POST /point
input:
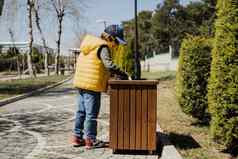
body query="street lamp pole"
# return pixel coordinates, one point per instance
(136, 53)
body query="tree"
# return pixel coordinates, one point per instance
(165, 18)
(202, 15)
(15, 50)
(30, 7)
(1, 6)
(223, 83)
(144, 27)
(145, 38)
(63, 8)
(37, 21)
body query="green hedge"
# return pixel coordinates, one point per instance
(123, 57)
(192, 76)
(223, 84)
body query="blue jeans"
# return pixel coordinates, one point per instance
(87, 113)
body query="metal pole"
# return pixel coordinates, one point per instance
(136, 53)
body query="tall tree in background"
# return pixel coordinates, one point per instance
(60, 11)
(202, 15)
(63, 8)
(30, 7)
(145, 38)
(37, 21)
(170, 25)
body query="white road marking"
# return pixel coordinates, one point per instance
(33, 112)
(41, 142)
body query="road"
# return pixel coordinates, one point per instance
(40, 127)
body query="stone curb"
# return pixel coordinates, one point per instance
(168, 149)
(25, 95)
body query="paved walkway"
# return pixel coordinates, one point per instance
(40, 127)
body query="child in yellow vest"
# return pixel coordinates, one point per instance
(93, 69)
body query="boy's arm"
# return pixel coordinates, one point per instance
(107, 61)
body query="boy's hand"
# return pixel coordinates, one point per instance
(122, 76)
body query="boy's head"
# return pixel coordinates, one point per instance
(114, 35)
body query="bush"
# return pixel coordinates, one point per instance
(123, 57)
(223, 83)
(37, 57)
(192, 76)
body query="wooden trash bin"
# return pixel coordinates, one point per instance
(133, 114)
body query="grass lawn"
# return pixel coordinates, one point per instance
(189, 137)
(15, 87)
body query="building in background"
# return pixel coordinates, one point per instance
(22, 47)
(160, 62)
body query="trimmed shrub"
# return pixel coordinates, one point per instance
(192, 76)
(223, 83)
(123, 57)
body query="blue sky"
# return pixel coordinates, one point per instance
(113, 11)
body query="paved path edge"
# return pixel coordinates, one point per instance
(25, 95)
(168, 149)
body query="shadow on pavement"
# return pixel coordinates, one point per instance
(182, 141)
(58, 92)
(46, 122)
(233, 152)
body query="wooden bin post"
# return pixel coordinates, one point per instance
(133, 114)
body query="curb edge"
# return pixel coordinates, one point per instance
(168, 149)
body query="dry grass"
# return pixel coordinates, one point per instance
(189, 137)
(15, 87)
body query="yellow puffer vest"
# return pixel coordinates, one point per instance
(91, 73)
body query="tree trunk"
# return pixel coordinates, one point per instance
(1, 6)
(23, 64)
(18, 66)
(46, 63)
(60, 19)
(37, 20)
(30, 33)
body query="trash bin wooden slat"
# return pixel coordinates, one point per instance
(120, 119)
(144, 118)
(138, 118)
(133, 115)
(132, 119)
(152, 94)
(114, 118)
(126, 118)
